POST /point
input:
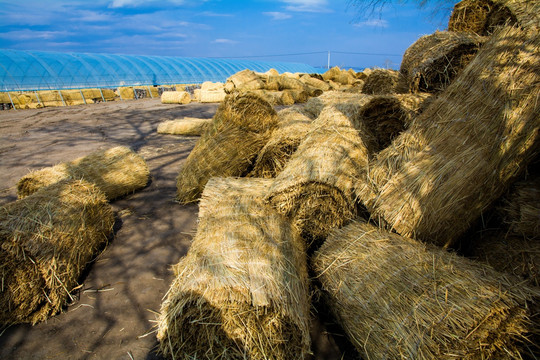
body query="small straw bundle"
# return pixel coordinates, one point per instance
(187, 126)
(47, 239)
(383, 81)
(464, 150)
(241, 291)
(399, 299)
(433, 61)
(386, 116)
(175, 97)
(240, 128)
(315, 187)
(482, 17)
(294, 124)
(117, 171)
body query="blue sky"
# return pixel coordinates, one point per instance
(220, 28)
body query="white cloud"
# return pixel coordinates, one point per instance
(372, 23)
(135, 3)
(30, 34)
(307, 5)
(276, 15)
(224, 41)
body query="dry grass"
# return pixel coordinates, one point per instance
(175, 97)
(400, 299)
(465, 149)
(240, 128)
(315, 187)
(187, 126)
(47, 239)
(382, 82)
(117, 171)
(348, 103)
(241, 291)
(521, 208)
(433, 61)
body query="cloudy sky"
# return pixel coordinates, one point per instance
(281, 30)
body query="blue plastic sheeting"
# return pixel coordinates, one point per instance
(38, 70)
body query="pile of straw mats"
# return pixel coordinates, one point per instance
(386, 188)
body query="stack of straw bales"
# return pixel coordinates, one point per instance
(47, 239)
(400, 299)
(241, 291)
(175, 97)
(464, 150)
(433, 61)
(187, 126)
(240, 128)
(117, 171)
(212, 92)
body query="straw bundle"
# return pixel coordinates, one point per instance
(398, 299)
(240, 128)
(126, 92)
(383, 81)
(274, 97)
(315, 187)
(175, 97)
(386, 116)
(348, 103)
(463, 151)
(315, 83)
(117, 171)
(47, 239)
(244, 80)
(294, 125)
(96, 94)
(241, 291)
(433, 61)
(187, 126)
(212, 96)
(482, 17)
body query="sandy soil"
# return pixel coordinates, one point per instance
(114, 313)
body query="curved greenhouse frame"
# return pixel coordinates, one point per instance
(38, 70)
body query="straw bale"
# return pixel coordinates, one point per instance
(482, 17)
(315, 188)
(240, 128)
(272, 72)
(245, 80)
(470, 143)
(299, 96)
(400, 299)
(433, 61)
(187, 126)
(197, 95)
(386, 116)
(294, 124)
(383, 81)
(314, 82)
(176, 97)
(20, 100)
(212, 96)
(521, 207)
(116, 171)
(208, 85)
(126, 92)
(348, 103)
(274, 97)
(47, 239)
(241, 291)
(108, 94)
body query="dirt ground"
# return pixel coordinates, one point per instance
(113, 316)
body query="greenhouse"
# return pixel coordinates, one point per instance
(38, 70)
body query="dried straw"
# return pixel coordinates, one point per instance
(383, 81)
(294, 125)
(175, 97)
(240, 128)
(521, 208)
(117, 171)
(399, 299)
(47, 239)
(464, 150)
(187, 126)
(348, 103)
(482, 17)
(241, 291)
(433, 61)
(315, 187)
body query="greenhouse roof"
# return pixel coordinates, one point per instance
(38, 70)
